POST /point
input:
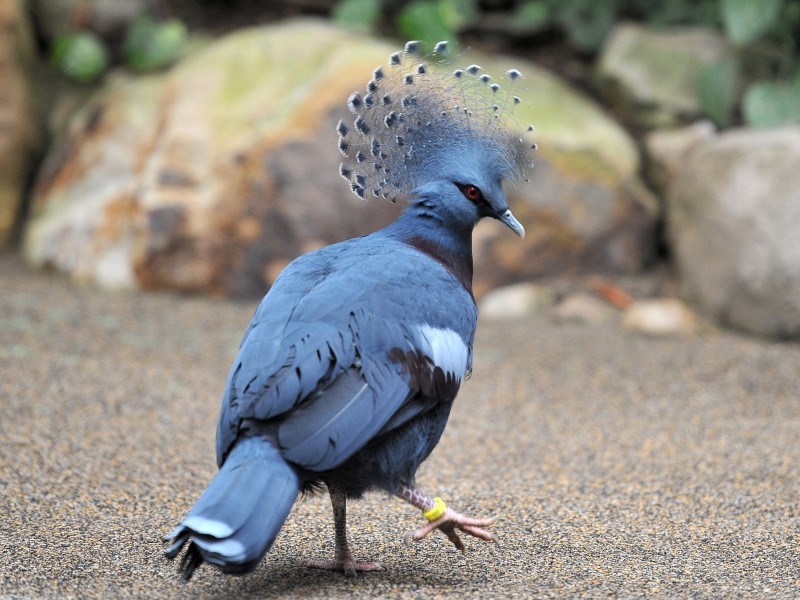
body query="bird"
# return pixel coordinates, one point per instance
(349, 369)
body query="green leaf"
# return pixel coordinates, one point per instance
(587, 22)
(675, 12)
(532, 16)
(357, 14)
(81, 56)
(718, 85)
(150, 45)
(458, 14)
(770, 104)
(423, 20)
(747, 20)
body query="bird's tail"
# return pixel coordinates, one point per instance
(238, 516)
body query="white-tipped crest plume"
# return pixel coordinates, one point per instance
(414, 114)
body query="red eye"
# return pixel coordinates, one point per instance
(472, 192)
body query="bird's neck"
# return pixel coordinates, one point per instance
(422, 228)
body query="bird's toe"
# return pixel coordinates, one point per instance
(451, 522)
(347, 565)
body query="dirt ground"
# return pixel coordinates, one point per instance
(621, 465)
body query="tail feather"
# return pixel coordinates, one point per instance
(238, 516)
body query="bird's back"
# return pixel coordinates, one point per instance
(363, 302)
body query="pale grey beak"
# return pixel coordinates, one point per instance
(512, 223)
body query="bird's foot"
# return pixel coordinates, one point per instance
(450, 522)
(346, 564)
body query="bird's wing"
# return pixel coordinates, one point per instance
(352, 355)
(337, 421)
(404, 373)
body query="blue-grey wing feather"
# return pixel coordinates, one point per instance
(325, 352)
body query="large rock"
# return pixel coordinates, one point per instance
(653, 75)
(734, 228)
(210, 177)
(18, 130)
(213, 176)
(666, 151)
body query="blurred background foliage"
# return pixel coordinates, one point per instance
(149, 45)
(759, 85)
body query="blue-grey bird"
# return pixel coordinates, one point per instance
(350, 366)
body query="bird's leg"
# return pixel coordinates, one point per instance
(445, 519)
(344, 560)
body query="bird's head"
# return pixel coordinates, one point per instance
(440, 137)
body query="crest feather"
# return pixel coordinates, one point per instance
(416, 114)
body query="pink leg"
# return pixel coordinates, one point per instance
(448, 522)
(344, 560)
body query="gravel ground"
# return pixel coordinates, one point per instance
(621, 465)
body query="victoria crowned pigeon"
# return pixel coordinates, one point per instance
(348, 371)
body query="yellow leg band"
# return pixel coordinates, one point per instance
(435, 512)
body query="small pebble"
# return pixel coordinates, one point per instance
(515, 301)
(661, 316)
(584, 308)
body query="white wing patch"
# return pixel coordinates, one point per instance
(206, 526)
(446, 348)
